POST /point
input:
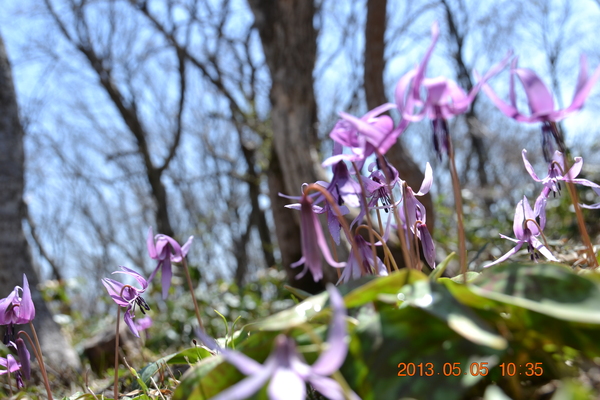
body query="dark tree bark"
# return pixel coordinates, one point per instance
(375, 96)
(474, 126)
(289, 42)
(15, 257)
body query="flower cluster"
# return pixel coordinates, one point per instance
(16, 309)
(372, 135)
(166, 250)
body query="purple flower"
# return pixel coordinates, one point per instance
(287, 370)
(313, 242)
(372, 132)
(344, 190)
(128, 296)
(556, 173)
(416, 217)
(541, 103)
(16, 309)
(353, 269)
(443, 97)
(24, 357)
(527, 231)
(11, 365)
(144, 323)
(166, 250)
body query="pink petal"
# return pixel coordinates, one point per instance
(332, 358)
(538, 96)
(529, 167)
(26, 308)
(150, 244)
(427, 181)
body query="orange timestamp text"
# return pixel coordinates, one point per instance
(474, 369)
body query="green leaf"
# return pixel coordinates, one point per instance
(294, 316)
(390, 337)
(211, 375)
(441, 267)
(437, 300)
(299, 293)
(191, 356)
(549, 289)
(471, 275)
(391, 284)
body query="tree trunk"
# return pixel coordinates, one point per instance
(15, 257)
(375, 96)
(289, 42)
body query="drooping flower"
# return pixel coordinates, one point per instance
(343, 189)
(443, 99)
(364, 136)
(141, 324)
(286, 369)
(354, 270)
(128, 296)
(166, 250)
(24, 357)
(557, 173)
(541, 102)
(313, 242)
(11, 365)
(416, 217)
(16, 309)
(527, 231)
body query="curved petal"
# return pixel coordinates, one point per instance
(186, 246)
(332, 358)
(507, 109)
(286, 385)
(246, 387)
(582, 90)
(518, 221)
(114, 289)
(575, 169)
(512, 252)
(165, 279)
(150, 244)
(585, 182)
(327, 387)
(435, 31)
(529, 167)
(403, 101)
(378, 110)
(427, 181)
(143, 282)
(341, 157)
(245, 364)
(24, 357)
(538, 96)
(428, 246)
(539, 246)
(26, 308)
(128, 317)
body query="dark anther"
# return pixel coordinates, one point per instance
(340, 200)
